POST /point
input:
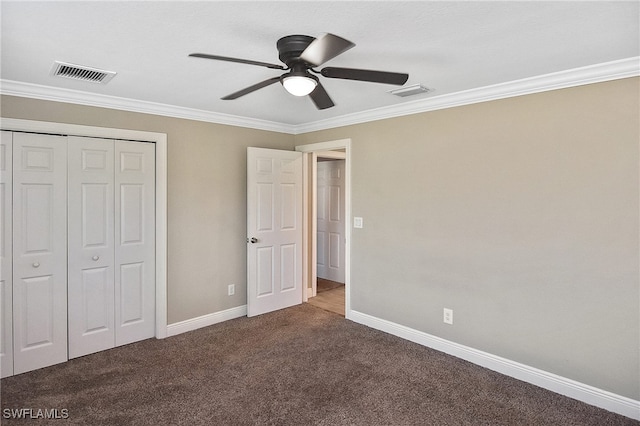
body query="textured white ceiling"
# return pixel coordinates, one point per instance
(447, 46)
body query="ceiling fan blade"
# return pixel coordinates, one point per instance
(325, 47)
(366, 75)
(250, 89)
(241, 61)
(321, 98)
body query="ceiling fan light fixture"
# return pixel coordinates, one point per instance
(299, 84)
(301, 53)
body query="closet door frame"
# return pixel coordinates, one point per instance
(6, 255)
(160, 140)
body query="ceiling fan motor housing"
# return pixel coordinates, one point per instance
(291, 47)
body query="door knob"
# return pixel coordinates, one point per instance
(253, 240)
(36, 264)
(95, 258)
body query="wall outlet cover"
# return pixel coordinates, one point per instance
(448, 316)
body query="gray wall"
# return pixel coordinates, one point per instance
(521, 215)
(206, 193)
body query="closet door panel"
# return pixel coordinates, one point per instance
(91, 245)
(6, 267)
(39, 251)
(135, 241)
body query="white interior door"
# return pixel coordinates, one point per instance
(134, 241)
(91, 245)
(331, 221)
(39, 251)
(6, 269)
(274, 230)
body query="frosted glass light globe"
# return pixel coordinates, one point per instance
(299, 85)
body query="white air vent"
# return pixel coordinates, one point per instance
(80, 72)
(414, 89)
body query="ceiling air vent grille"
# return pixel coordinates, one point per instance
(80, 72)
(412, 90)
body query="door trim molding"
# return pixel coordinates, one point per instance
(160, 140)
(315, 149)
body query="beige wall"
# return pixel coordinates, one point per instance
(521, 215)
(206, 195)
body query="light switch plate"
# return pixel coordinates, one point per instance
(357, 222)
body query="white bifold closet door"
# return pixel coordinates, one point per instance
(39, 251)
(91, 246)
(135, 271)
(77, 246)
(111, 243)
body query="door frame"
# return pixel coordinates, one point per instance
(311, 152)
(160, 141)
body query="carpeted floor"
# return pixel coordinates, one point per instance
(298, 366)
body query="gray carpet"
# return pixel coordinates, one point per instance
(298, 366)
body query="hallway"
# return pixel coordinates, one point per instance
(330, 296)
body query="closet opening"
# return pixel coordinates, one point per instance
(84, 223)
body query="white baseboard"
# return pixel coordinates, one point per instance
(600, 398)
(310, 293)
(206, 320)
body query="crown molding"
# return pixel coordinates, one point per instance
(607, 71)
(624, 68)
(56, 94)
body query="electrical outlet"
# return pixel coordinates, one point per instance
(448, 316)
(231, 289)
(357, 222)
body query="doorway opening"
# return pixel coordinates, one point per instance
(330, 230)
(327, 217)
(330, 296)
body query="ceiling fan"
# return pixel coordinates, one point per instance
(300, 54)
